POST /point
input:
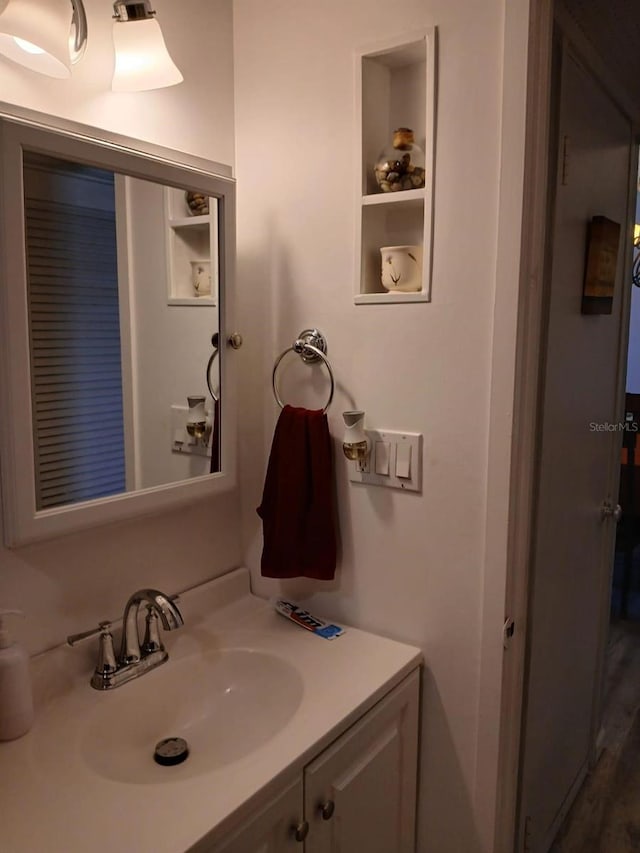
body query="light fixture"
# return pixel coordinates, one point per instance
(45, 37)
(142, 58)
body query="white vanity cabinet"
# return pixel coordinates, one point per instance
(358, 794)
(271, 829)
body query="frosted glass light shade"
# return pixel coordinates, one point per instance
(44, 28)
(142, 58)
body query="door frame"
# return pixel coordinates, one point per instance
(530, 354)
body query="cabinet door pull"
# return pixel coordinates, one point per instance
(327, 809)
(300, 831)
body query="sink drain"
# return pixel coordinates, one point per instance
(170, 751)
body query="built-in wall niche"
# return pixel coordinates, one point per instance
(395, 89)
(192, 259)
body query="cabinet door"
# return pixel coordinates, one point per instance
(360, 793)
(272, 829)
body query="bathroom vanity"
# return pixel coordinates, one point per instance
(357, 794)
(295, 742)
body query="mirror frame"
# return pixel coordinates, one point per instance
(23, 129)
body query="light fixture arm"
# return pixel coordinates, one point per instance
(133, 10)
(80, 31)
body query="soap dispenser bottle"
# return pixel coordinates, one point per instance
(16, 700)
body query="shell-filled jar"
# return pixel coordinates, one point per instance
(401, 165)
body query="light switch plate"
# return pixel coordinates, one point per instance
(391, 480)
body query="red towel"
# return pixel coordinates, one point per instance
(215, 439)
(297, 508)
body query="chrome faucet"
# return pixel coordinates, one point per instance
(158, 604)
(134, 659)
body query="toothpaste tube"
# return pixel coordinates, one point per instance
(306, 620)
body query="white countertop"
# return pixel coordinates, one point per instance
(52, 799)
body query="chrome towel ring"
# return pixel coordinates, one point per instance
(311, 346)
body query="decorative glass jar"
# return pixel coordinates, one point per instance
(401, 165)
(198, 203)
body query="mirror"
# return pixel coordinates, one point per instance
(116, 263)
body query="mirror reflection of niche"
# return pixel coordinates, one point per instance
(172, 344)
(109, 357)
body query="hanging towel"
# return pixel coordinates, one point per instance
(297, 508)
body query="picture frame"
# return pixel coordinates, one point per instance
(601, 266)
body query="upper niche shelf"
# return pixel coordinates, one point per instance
(394, 198)
(395, 89)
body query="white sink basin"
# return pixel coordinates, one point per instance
(225, 704)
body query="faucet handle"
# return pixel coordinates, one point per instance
(106, 664)
(103, 628)
(151, 641)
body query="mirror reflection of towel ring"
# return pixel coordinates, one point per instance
(311, 346)
(235, 342)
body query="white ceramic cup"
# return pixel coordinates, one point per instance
(401, 270)
(201, 277)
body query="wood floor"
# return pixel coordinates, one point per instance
(605, 817)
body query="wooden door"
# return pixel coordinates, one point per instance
(579, 461)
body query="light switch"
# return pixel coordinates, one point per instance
(403, 460)
(395, 461)
(382, 458)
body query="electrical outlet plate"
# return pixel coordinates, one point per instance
(396, 445)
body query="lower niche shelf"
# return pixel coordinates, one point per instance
(397, 222)
(385, 297)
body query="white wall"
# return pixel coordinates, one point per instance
(411, 567)
(69, 584)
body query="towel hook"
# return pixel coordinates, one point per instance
(311, 346)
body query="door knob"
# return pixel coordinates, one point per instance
(610, 511)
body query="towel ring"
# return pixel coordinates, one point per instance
(311, 346)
